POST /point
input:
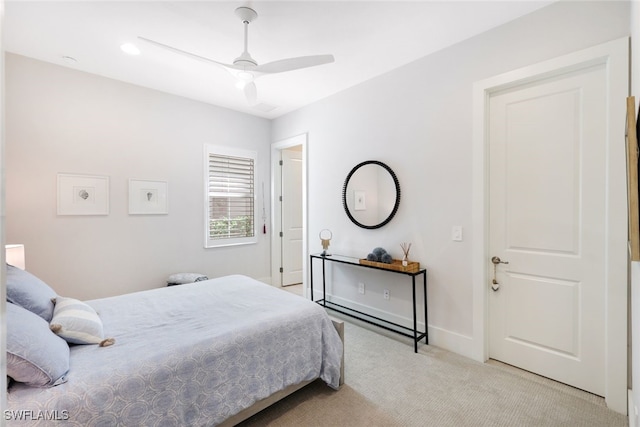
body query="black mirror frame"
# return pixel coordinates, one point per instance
(344, 194)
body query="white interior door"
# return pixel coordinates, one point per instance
(292, 224)
(548, 161)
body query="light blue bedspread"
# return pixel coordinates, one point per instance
(189, 355)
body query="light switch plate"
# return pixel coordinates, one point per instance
(456, 233)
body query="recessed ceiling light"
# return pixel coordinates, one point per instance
(69, 59)
(130, 49)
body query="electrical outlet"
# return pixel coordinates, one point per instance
(386, 294)
(361, 288)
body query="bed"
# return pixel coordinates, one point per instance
(208, 353)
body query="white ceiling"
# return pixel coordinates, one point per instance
(367, 38)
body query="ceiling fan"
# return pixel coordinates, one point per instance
(245, 68)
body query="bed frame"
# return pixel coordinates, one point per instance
(265, 403)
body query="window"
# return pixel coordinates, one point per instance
(229, 196)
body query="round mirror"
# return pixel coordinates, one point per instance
(371, 194)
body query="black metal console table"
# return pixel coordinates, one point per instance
(385, 324)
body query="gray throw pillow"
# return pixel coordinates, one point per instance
(29, 292)
(182, 278)
(35, 355)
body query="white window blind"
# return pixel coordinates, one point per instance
(230, 196)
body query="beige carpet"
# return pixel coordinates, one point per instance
(387, 384)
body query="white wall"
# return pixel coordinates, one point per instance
(61, 120)
(418, 120)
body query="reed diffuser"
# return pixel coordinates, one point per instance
(406, 247)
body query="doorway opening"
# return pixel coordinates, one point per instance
(289, 212)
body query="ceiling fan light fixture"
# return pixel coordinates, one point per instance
(245, 75)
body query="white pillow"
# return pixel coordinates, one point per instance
(77, 322)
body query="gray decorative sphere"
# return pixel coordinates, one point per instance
(379, 252)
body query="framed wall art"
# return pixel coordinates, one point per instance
(148, 197)
(83, 194)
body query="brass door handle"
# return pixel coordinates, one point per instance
(494, 283)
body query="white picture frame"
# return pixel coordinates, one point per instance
(148, 197)
(82, 194)
(360, 199)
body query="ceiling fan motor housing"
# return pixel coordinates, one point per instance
(245, 60)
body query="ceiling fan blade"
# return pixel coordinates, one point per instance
(185, 53)
(291, 64)
(251, 93)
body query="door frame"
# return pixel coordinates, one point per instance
(292, 164)
(614, 55)
(276, 213)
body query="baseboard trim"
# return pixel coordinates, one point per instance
(451, 341)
